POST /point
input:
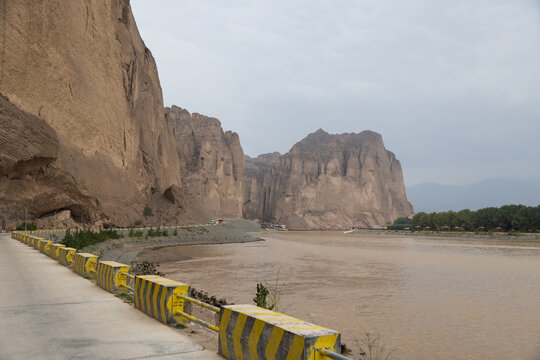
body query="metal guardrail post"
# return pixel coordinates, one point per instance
(200, 303)
(198, 321)
(331, 354)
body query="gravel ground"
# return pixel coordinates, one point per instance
(154, 249)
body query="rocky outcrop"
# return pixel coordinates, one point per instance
(211, 162)
(327, 182)
(83, 133)
(95, 141)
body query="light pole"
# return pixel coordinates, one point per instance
(25, 218)
(55, 219)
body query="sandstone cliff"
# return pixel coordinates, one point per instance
(94, 139)
(211, 162)
(327, 182)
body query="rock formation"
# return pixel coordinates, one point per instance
(211, 162)
(83, 124)
(327, 182)
(84, 135)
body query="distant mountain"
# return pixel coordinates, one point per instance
(430, 197)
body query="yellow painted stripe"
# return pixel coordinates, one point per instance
(110, 278)
(302, 327)
(223, 332)
(148, 301)
(296, 348)
(136, 294)
(162, 301)
(103, 275)
(254, 339)
(325, 342)
(273, 343)
(154, 300)
(237, 333)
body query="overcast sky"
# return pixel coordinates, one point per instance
(453, 86)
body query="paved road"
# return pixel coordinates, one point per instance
(49, 312)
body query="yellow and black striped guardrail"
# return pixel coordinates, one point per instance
(42, 243)
(54, 250)
(47, 247)
(84, 264)
(65, 255)
(250, 332)
(111, 275)
(155, 296)
(244, 331)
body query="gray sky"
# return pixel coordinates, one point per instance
(453, 86)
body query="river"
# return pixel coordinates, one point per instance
(427, 298)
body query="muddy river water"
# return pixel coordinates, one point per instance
(426, 298)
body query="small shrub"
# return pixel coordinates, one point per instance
(29, 227)
(260, 297)
(147, 211)
(137, 233)
(179, 326)
(158, 232)
(275, 291)
(82, 238)
(138, 222)
(175, 232)
(372, 348)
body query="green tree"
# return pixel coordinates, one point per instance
(465, 219)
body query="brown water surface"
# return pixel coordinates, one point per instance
(427, 298)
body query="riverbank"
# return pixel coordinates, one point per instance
(137, 249)
(534, 237)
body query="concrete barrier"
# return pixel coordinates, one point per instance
(43, 244)
(53, 252)
(250, 332)
(47, 248)
(111, 275)
(154, 295)
(244, 332)
(84, 263)
(65, 255)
